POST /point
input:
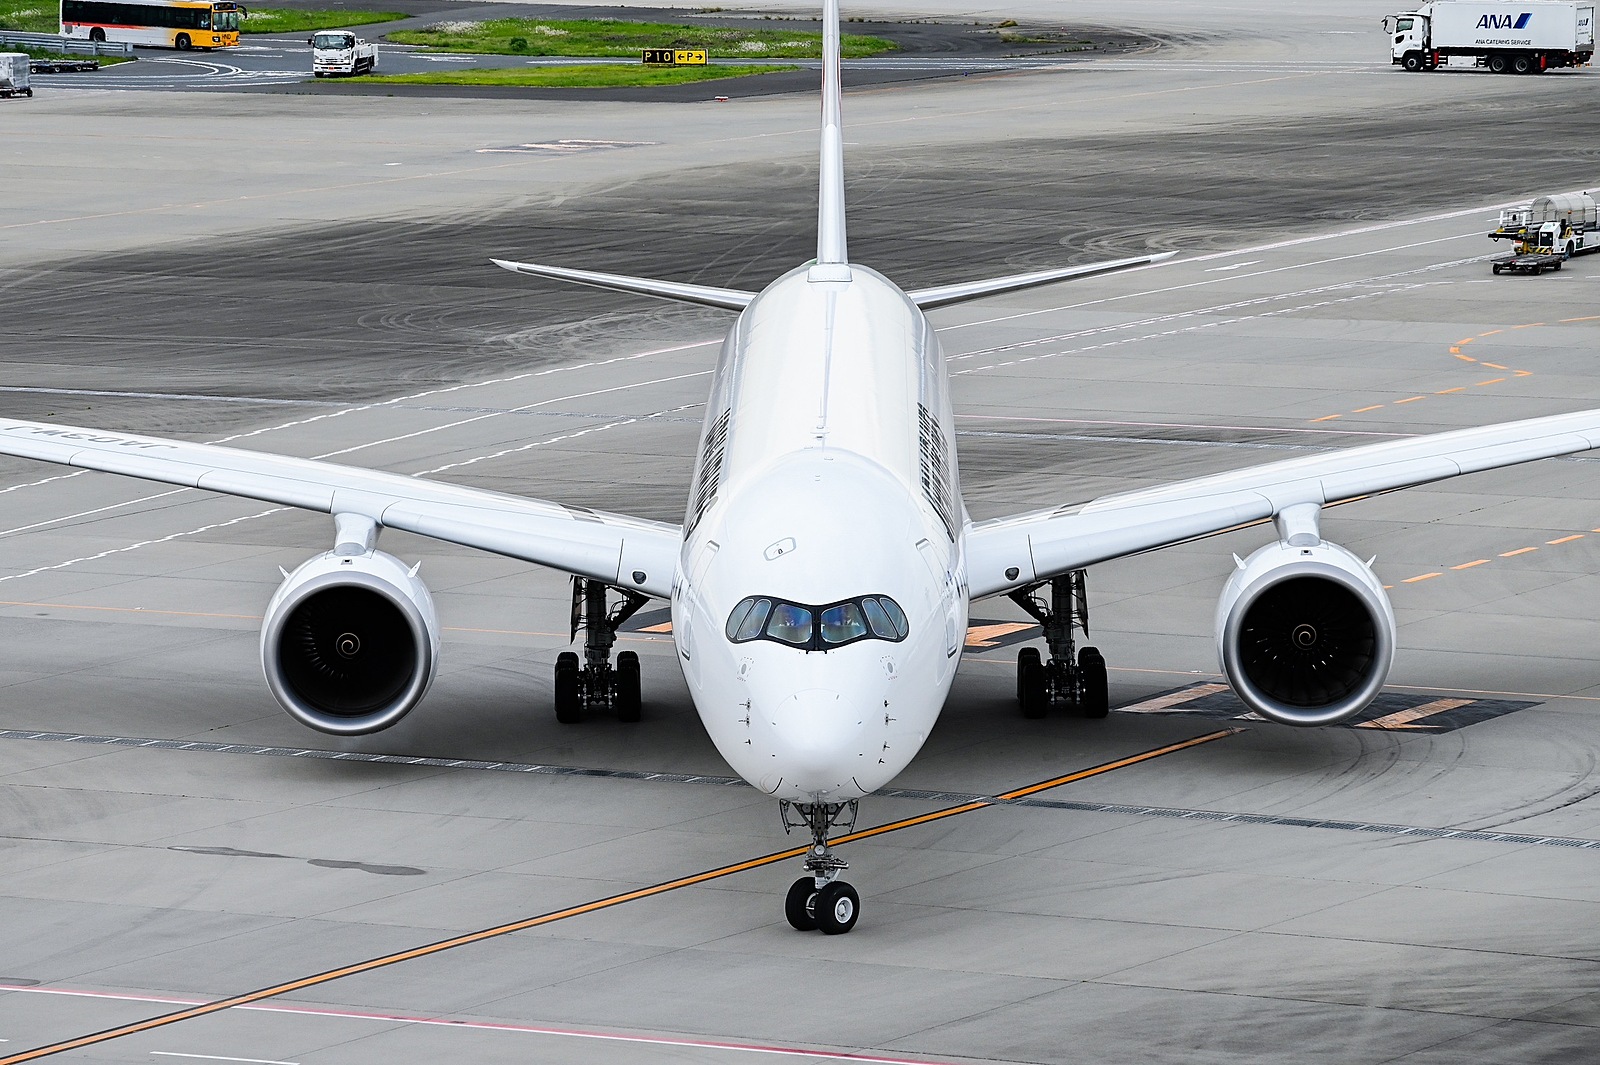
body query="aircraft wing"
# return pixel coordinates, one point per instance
(627, 552)
(1047, 543)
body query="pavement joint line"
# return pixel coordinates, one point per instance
(914, 794)
(550, 917)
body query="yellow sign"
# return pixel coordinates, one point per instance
(673, 57)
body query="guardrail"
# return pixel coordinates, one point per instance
(64, 45)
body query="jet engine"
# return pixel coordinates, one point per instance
(350, 642)
(1305, 633)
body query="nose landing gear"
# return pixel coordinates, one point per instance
(820, 900)
(596, 682)
(1081, 682)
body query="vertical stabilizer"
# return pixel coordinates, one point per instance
(830, 199)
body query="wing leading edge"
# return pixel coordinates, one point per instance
(1046, 543)
(619, 550)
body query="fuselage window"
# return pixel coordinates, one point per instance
(817, 628)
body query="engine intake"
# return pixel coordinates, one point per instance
(1305, 633)
(350, 642)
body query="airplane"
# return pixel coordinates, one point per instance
(821, 579)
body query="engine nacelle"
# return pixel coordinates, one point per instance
(1305, 633)
(350, 642)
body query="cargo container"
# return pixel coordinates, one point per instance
(14, 72)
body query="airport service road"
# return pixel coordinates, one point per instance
(171, 839)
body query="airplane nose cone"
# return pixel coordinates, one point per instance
(822, 737)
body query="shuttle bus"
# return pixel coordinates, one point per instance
(180, 24)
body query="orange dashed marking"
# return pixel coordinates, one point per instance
(1523, 373)
(1518, 551)
(1585, 318)
(1412, 399)
(1423, 577)
(1463, 358)
(1565, 539)
(1447, 391)
(1364, 410)
(1494, 366)
(1491, 381)
(1530, 325)
(1491, 332)
(1327, 417)
(1474, 562)
(1468, 340)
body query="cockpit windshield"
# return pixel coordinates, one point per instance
(817, 628)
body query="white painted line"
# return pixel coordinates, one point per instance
(218, 1057)
(1235, 266)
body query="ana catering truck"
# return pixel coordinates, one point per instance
(341, 52)
(1524, 37)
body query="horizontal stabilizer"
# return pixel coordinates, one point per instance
(945, 295)
(705, 295)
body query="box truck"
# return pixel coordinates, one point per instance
(1525, 37)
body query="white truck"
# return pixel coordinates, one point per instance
(1521, 37)
(341, 52)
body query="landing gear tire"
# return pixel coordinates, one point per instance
(1033, 688)
(800, 905)
(629, 701)
(1024, 656)
(569, 700)
(1093, 698)
(837, 906)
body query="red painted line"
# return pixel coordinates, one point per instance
(494, 1026)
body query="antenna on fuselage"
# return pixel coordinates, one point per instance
(831, 249)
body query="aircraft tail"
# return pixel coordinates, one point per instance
(831, 245)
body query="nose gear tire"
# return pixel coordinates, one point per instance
(837, 908)
(799, 906)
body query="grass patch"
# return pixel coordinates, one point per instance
(30, 16)
(291, 20)
(612, 37)
(587, 76)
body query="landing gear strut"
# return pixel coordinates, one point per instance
(1081, 680)
(820, 899)
(596, 682)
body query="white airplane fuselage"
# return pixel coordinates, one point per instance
(826, 478)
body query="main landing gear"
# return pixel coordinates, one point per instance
(820, 899)
(596, 682)
(1081, 682)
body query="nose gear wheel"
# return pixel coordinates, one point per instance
(820, 900)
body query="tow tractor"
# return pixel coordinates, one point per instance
(1548, 232)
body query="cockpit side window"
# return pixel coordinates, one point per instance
(817, 628)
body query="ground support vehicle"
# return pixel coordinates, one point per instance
(14, 72)
(1532, 262)
(63, 66)
(1558, 227)
(341, 52)
(1521, 37)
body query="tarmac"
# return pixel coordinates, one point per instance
(309, 275)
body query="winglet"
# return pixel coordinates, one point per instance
(705, 295)
(831, 249)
